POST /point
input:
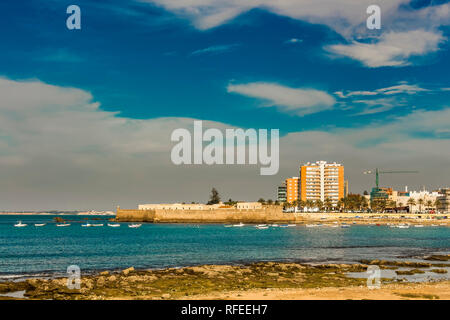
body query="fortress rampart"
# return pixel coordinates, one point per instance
(267, 214)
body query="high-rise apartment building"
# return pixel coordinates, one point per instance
(281, 193)
(292, 189)
(321, 180)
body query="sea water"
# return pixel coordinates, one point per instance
(49, 250)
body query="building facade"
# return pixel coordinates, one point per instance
(281, 193)
(444, 201)
(321, 180)
(292, 189)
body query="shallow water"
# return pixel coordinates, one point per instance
(49, 250)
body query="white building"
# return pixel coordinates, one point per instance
(401, 199)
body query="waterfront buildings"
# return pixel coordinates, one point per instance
(248, 205)
(178, 206)
(416, 201)
(444, 201)
(317, 181)
(281, 193)
(199, 206)
(345, 188)
(292, 189)
(321, 180)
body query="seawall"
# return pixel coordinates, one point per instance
(268, 214)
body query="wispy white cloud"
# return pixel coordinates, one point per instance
(392, 49)
(406, 32)
(343, 16)
(214, 49)
(294, 40)
(296, 101)
(401, 88)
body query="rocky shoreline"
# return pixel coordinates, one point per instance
(221, 281)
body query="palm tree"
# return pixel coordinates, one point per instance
(309, 203)
(437, 202)
(421, 201)
(302, 203)
(411, 202)
(319, 204)
(340, 204)
(365, 203)
(429, 204)
(328, 204)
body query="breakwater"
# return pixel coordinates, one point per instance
(267, 214)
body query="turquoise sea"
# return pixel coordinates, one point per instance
(49, 250)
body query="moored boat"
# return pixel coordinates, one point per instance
(20, 224)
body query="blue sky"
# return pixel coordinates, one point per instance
(146, 62)
(297, 67)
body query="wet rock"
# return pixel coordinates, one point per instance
(104, 273)
(437, 257)
(100, 281)
(133, 279)
(439, 270)
(127, 271)
(112, 278)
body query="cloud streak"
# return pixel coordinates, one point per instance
(296, 101)
(214, 49)
(393, 49)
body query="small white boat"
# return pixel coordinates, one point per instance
(86, 225)
(114, 225)
(20, 224)
(263, 227)
(283, 226)
(63, 224)
(345, 226)
(311, 225)
(403, 227)
(135, 225)
(239, 225)
(292, 225)
(228, 225)
(98, 225)
(418, 226)
(274, 225)
(39, 224)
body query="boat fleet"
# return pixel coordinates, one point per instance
(333, 225)
(261, 226)
(19, 224)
